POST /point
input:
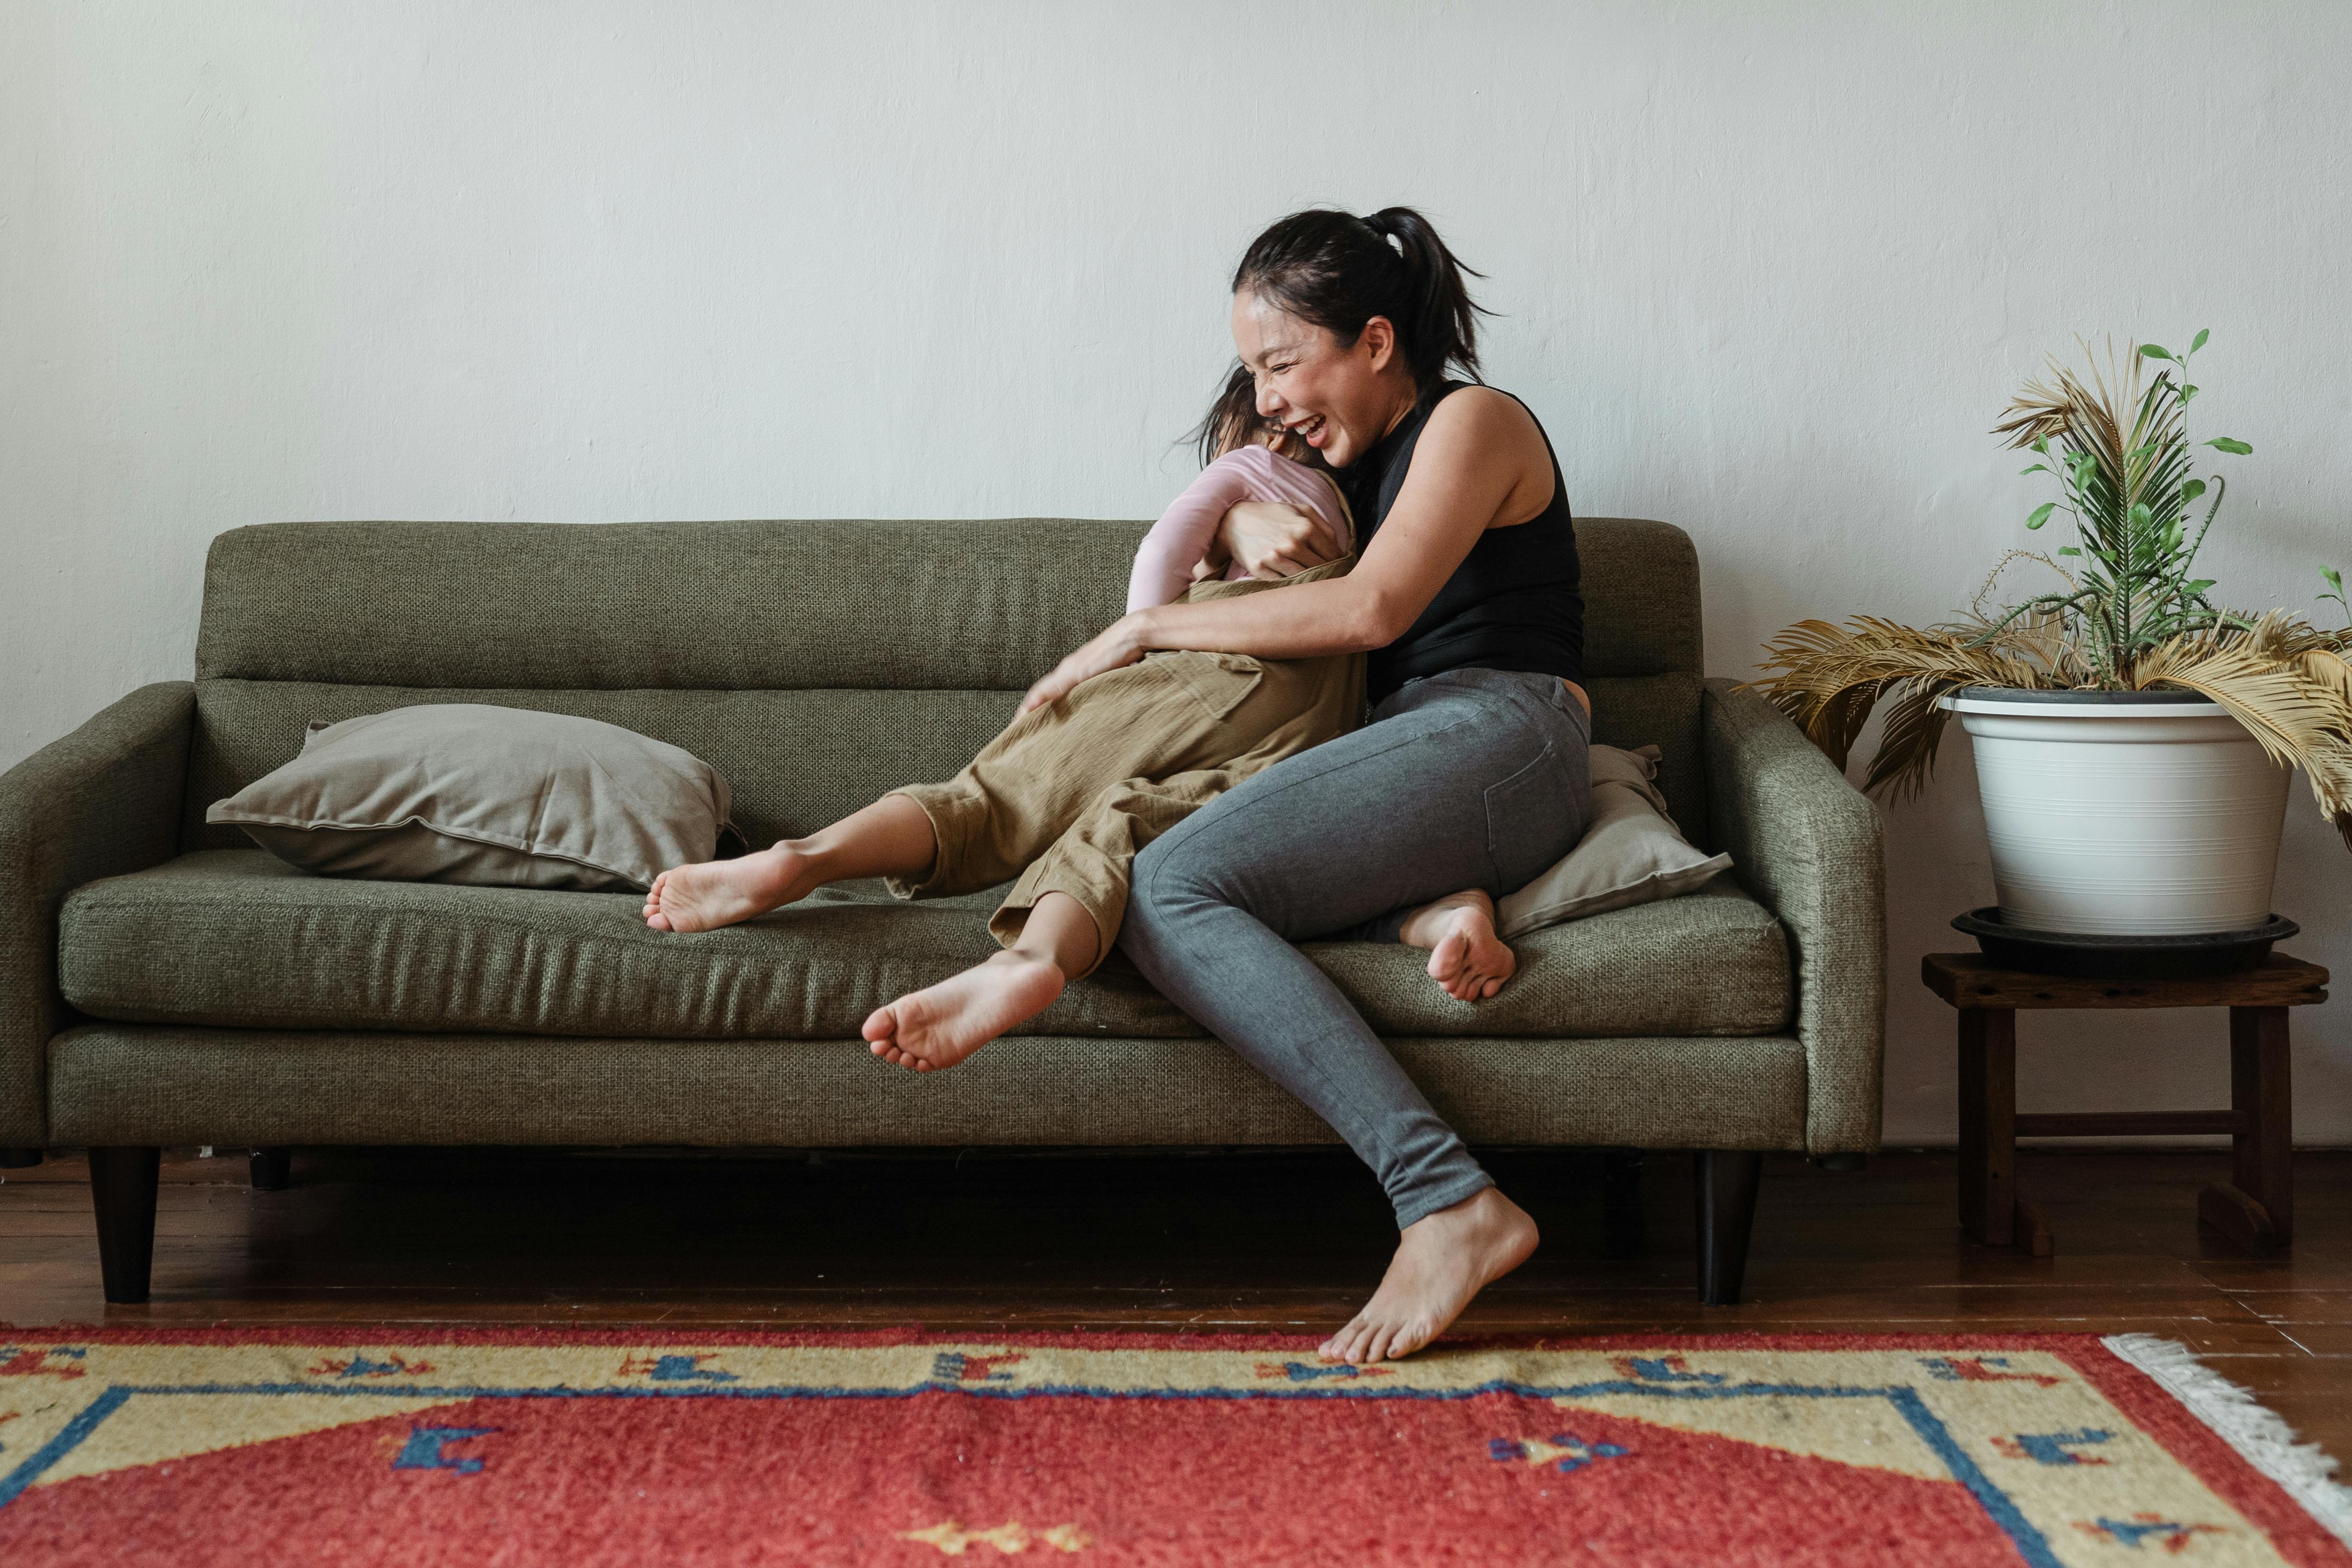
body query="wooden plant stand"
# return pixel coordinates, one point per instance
(2255, 1208)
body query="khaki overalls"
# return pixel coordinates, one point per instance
(1069, 794)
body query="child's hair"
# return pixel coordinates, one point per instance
(1235, 422)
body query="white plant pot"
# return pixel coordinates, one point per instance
(2125, 814)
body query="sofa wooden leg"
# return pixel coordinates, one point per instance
(271, 1169)
(122, 1186)
(1726, 1186)
(1624, 1227)
(17, 1159)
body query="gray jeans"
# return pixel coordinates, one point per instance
(1470, 778)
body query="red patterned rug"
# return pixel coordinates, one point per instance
(420, 1448)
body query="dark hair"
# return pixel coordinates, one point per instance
(1338, 272)
(1232, 419)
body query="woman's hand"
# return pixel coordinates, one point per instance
(1117, 644)
(1271, 539)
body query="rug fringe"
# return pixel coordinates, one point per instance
(2260, 1435)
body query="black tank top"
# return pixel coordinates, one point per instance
(1513, 602)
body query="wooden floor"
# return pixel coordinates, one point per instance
(1274, 1242)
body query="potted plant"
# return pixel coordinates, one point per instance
(2133, 736)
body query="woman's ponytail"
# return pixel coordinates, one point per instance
(1338, 272)
(1444, 327)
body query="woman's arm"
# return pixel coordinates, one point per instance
(1480, 462)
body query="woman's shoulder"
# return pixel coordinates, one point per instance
(1470, 405)
(1490, 422)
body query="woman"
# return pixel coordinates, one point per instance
(1472, 771)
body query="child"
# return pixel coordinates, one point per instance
(1067, 796)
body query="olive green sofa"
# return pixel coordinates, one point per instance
(164, 982)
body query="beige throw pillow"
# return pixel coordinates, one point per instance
(1631, 853)
(491, 796)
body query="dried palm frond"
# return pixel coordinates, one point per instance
(2088, 416)
(2324, 658)
(2300, 722)
(1831, 677)
(2288, 715)
(2326, 668)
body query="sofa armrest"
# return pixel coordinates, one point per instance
(102, 801)
(1808, 844)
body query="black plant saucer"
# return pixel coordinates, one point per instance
(2121, 957)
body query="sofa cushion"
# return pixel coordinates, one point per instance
(236, 938)
(1632, 852)
(489, 796)
(793, 760)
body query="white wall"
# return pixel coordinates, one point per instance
(1767, 271)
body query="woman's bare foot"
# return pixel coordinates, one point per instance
(1442, 1260)
(721, 892)
(1465, 957)
(940, 1024)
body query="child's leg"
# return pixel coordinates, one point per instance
(1057, 925)
(940, 1024)
(1465, 957)
(890, 838)
(1093, 861)
(996, 816)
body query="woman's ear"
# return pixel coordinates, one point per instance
(1378, 342)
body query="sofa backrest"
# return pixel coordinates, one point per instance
(815, 665)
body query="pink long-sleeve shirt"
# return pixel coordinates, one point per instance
(1163, 565)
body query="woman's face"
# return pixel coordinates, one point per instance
(1339, 398)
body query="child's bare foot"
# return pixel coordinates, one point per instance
(1465, 957)
(1442, 1260)
(940, 1024)
(721, 892)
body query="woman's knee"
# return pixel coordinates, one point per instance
(1170, 875)
(1155, 893)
